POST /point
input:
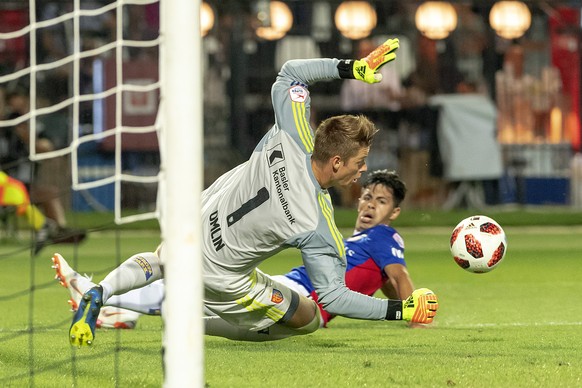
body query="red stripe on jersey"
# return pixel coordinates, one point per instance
(365, 278)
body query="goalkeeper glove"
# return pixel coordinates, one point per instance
(420, 307)
(366, 69)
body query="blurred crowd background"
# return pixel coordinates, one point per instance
(470, 114)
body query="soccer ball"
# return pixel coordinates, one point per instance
(478, 244)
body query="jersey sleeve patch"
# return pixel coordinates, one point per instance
(386, 246)
(298, 93)
(399, 240)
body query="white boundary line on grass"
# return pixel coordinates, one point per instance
(439, 325)
(515, 324)
(549, 230)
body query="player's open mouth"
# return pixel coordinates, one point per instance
(366, 218)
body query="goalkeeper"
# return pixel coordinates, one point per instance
(374, 253)
(278, 199)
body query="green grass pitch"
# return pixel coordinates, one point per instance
(518, 326)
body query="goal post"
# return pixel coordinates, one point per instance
(181, 186)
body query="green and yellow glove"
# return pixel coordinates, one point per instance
(420, 307)
(366, 69)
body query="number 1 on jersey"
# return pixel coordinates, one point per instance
(253, 203)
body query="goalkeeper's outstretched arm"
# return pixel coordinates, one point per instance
(366, 69)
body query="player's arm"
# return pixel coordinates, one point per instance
(388, 290)
(327, 276)
(399, 284)
(291, 99)
(290, 94)
(367, 69)
(307, 71)
(386, 248)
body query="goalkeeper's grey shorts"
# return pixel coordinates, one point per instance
(264, 301)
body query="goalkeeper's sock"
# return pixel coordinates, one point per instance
(145, 300)
(136, 272)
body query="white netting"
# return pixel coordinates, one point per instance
(89, 81)
(75, 46)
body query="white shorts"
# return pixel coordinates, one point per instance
(292, 285)
(264, 302)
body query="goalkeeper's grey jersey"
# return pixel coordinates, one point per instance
(273, 202)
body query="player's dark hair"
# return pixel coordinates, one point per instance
(342, 135)
(389, 179)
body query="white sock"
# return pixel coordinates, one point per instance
(84, 284)
(78, 285)
(136, 272)
(145, 300)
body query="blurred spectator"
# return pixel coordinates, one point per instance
(423, 82)
(13, 193)
(417, 128)
(436, 73)
(14, 160)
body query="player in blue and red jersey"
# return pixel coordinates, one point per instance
(375, 252)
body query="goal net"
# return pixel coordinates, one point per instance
(114, 88)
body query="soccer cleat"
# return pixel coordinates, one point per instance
(71, 280)
(82, 330)
(117, 318)
(109, 317)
